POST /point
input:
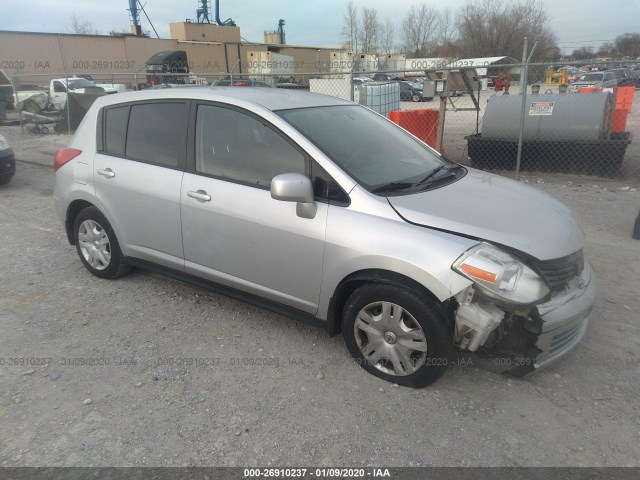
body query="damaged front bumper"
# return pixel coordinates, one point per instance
(519, 342)
(565, 318)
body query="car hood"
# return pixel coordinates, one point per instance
(498, 210)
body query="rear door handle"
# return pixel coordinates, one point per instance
(107, 172)
(199, 195)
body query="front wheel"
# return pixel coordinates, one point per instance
(396, 334)
(416, 98)
(97, 245)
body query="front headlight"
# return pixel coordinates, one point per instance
(500, 275)
(4, 145)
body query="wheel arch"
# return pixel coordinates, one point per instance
(354, 280)
(73, 210)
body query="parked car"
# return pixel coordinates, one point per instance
(361, 80)
(160, 86)
(7, 161)
(597, 80)
(291, 86)
(410, 91)
(264, 195)
(240, 82)
(574, 74)
(381, 77)
(624, 78)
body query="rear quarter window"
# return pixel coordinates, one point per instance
(115, 134)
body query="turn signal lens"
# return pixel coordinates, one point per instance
(478, 273)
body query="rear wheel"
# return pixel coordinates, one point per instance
(97, 245)
(396, 334)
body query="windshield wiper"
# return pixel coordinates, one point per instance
(446, 168)
(431, 174)
(394, 187)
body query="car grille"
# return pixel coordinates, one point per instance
(564, 340)
(559, 271)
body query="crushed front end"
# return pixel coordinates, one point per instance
(524, 314)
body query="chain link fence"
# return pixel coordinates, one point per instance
(474, 114)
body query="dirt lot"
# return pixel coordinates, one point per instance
(147, 371)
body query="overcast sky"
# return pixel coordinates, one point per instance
(576, 23)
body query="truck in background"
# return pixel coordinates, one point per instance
(60, 87)
(36, 99)
(168, 66)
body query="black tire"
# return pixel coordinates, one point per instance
(416, 97)
(44, 130)
(106, 266)
(429, 366)
(5, 179)
(35, 130)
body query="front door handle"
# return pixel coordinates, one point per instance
(199, 195)
(107, 172)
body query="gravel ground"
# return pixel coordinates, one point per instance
(181, 376)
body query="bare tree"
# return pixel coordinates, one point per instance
(387, 36)
(628, 45)
(418, 30)
(446, 33)
(606, 49)
(82, 27)
(497, 27)
(369, 30)
(351, 26)
(583, 53)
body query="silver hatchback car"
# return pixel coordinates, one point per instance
(325, 211)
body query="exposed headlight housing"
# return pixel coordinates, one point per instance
(500, 275)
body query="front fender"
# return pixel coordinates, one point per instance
(357, 241)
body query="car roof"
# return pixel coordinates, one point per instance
(269, 98)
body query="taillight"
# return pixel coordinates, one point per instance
(63, 156)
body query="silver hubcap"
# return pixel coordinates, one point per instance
(94, 244)
(390, 338)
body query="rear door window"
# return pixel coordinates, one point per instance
(156, 133)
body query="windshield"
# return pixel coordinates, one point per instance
(75, 83)
(371, 149)
(592, 77)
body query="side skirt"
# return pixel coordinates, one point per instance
(229, 292)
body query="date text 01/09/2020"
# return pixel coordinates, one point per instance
(316, 472)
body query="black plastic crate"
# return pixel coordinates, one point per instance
(602, 158)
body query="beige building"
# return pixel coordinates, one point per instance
(211, 50)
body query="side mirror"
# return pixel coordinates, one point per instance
(295, 187)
